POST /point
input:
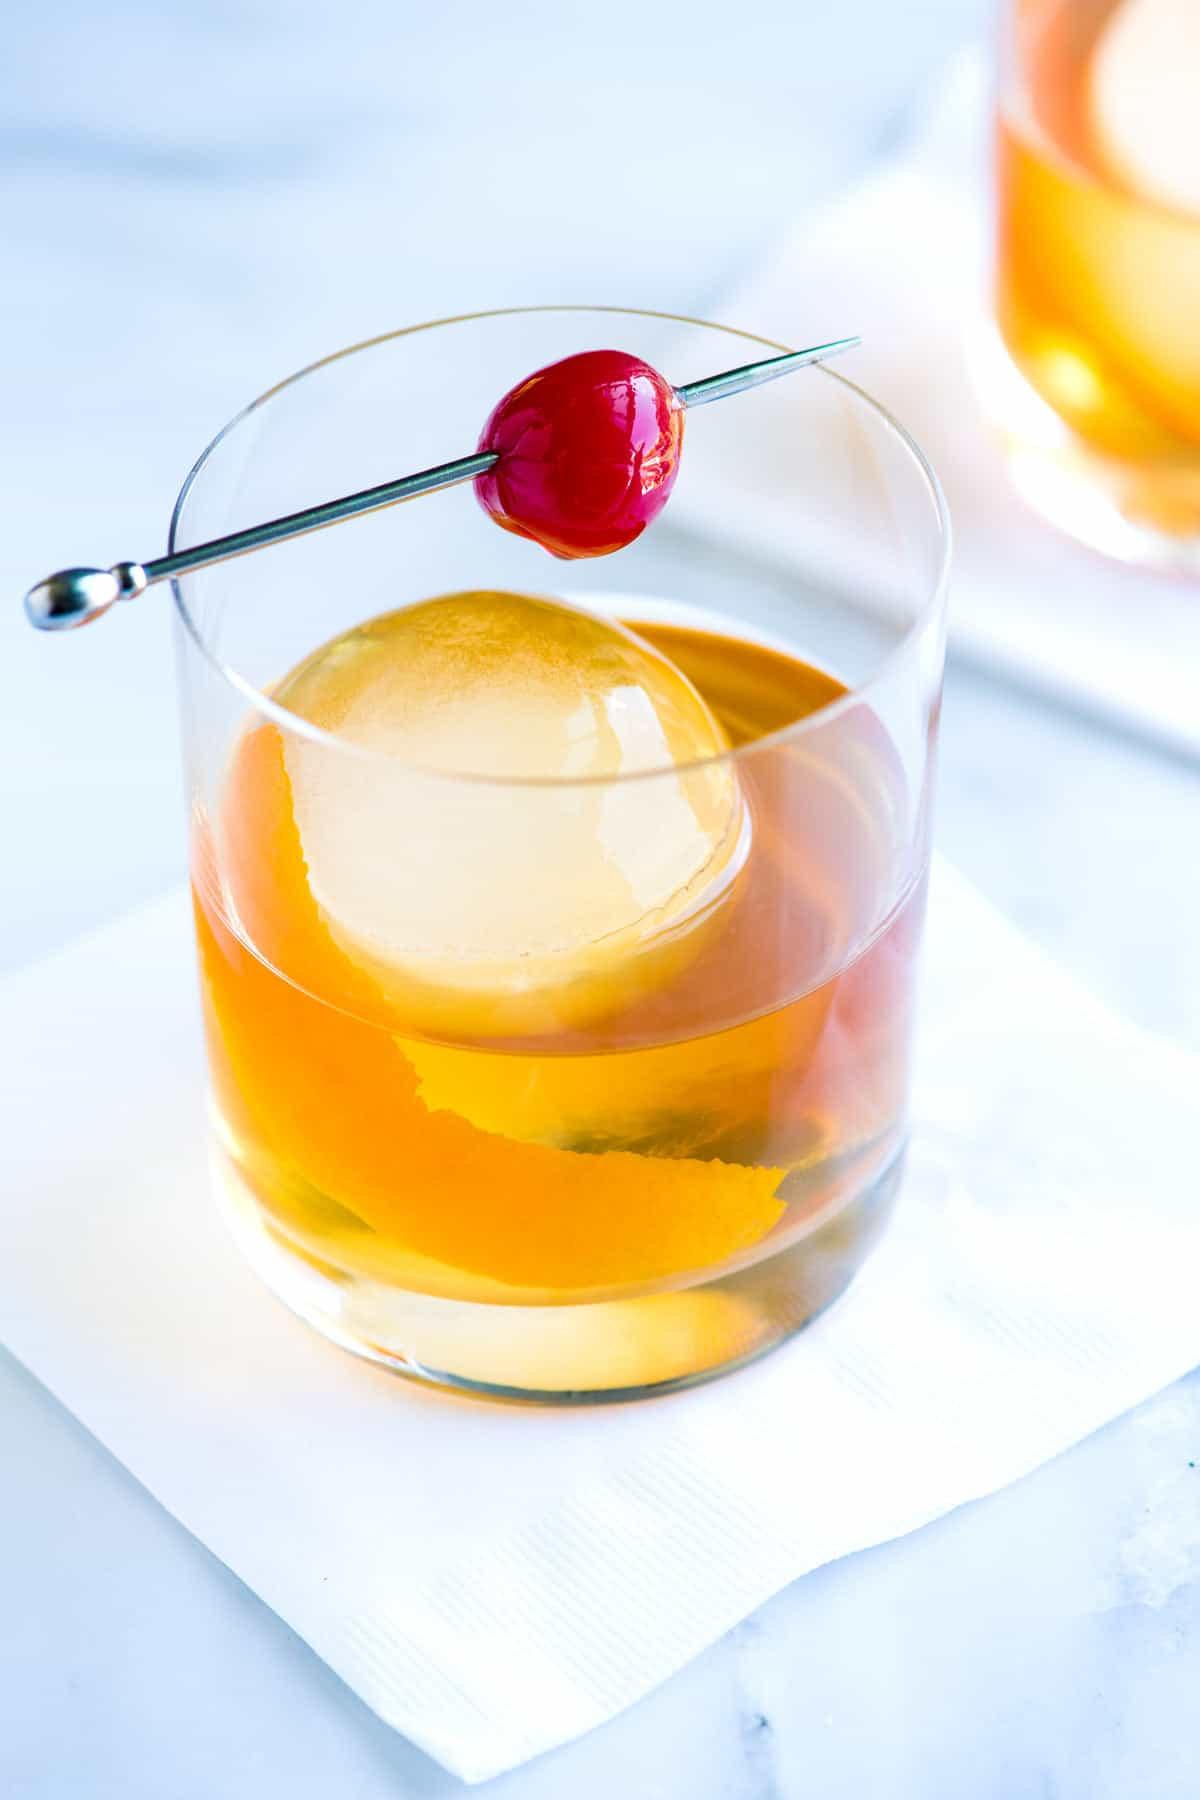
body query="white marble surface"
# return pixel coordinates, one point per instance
(194, 200)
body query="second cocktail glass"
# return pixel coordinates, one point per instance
(1098, 270)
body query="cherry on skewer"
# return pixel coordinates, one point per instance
(580, 457)
(587, 452)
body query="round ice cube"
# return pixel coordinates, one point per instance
(1145, 72)
(526, 827)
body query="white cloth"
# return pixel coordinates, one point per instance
(494, 1580)
(903, 259)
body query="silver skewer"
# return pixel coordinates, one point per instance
(74, 597)
(752, 375)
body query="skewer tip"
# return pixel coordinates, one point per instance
(756, 374)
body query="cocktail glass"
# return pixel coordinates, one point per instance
(639, 1173)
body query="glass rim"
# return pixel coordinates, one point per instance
(289, 722)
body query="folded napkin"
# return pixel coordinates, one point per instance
(495, 1580)
(903, 259)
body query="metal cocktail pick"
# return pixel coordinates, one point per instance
(73, 597)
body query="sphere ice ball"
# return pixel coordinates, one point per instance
(491, 862)
(588, 450)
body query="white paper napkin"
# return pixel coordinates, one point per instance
(495, 1580)
(903, 259)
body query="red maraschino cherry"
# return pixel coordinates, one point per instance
(588, 452)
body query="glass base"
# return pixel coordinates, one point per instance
(1146, 514)
(570, 1354)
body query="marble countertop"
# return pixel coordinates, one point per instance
(195, 200)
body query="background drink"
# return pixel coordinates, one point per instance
(1098, 256)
